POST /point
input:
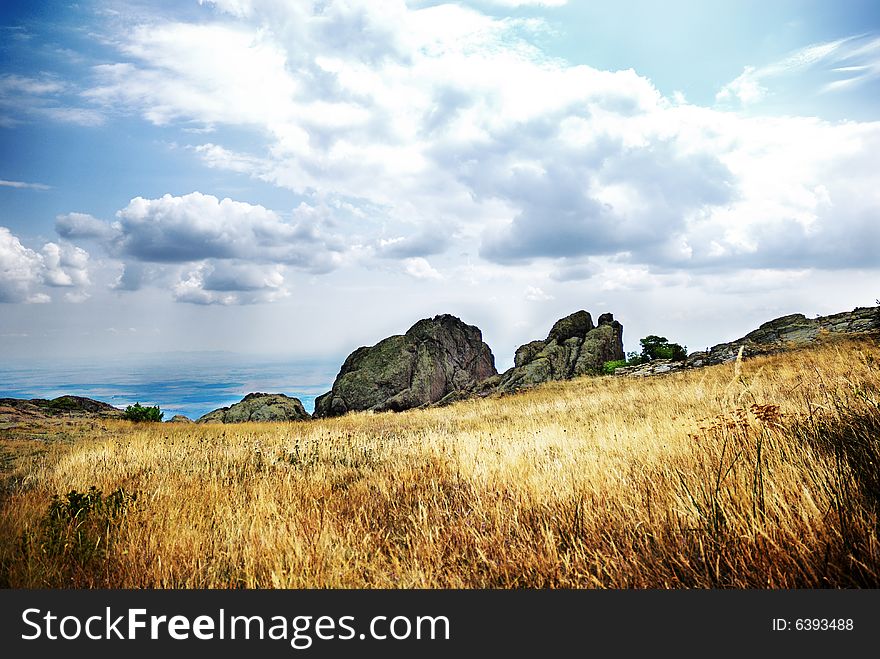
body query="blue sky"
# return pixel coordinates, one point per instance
(302, 178)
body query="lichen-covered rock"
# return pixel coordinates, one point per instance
(259, 407)
(527, 352)
(574, 347)
(436, 357)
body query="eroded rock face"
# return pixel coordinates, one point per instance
(436, 357)
(180, 418)
(259, 407)
(574, 347)
(791, 331)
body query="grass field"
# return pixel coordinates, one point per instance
(762, 474)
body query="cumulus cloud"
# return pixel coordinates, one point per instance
(82, 226)
(206, 250)
(23, 271)
(419, 268)
(196, 227)
(65, 265)
(20, 268)
(230, 283)
(425, 129)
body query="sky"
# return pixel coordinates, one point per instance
(300, 178)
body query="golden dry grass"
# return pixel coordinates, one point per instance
(762, 475)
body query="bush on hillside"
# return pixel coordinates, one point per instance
(608, 368)
(138, 412)
(659, 347)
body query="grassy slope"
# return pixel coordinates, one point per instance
(763, 474)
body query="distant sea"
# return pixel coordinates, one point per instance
(192, 384)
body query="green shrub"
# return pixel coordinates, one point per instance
(608, 368)
(138, 412)
(659, 347)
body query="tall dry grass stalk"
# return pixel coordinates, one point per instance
(765, 479)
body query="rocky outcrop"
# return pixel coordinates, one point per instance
(792, 331)
(63, 406)
(574, 347)
(180, 418)
(435, 358)
(653, 367)
(778, 335)
(259, 407)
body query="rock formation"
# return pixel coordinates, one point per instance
(63, 406)
(180, 418)
(791, 332)
(785, 333)
(436, 357)
(259, 407)
(573, 348)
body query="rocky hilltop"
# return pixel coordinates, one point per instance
(258, 407)
(63, 406)
(785, 333)
(574, 347)
(436, 357)
(791, 332)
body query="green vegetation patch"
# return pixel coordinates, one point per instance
(138, 413)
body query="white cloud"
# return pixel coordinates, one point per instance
(827, 67)
(529, 3)
(23, 185)
(196, 226)
(536, 294)
(43, 97)
(206, 250)
(23, 271)
(20, 270)
(746, 88)
(23, 85)
(414, 132)
(430, 240)
(79, 226)
(419, 268)
(223, 283)
(71, 115)
(65, 265)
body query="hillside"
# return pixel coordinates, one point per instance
(758, 474)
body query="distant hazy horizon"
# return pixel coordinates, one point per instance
(190, 383)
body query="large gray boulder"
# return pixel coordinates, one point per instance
(436, 357)
(259, 407)
(574, 347)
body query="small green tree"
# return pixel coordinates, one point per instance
(138, 412)
(608, 368)
(659, 347)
